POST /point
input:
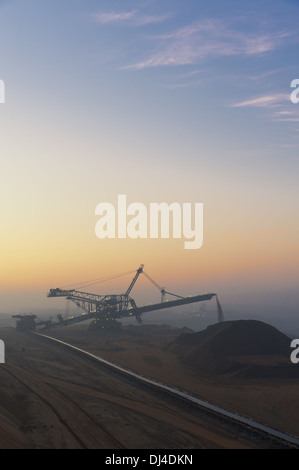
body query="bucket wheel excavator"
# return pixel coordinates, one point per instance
(105, 311)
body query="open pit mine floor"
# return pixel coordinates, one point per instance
(53, 398)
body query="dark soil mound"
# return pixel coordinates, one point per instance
(243, 348)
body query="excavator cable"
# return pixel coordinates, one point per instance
(162, 289)
(96, 281)
(152, 281)
(175, 295)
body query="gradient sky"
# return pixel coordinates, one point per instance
(185, 101)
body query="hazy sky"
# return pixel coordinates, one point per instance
(173, 100)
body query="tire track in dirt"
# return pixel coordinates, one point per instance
(164, 411)
(83, 429)
(95, 408)
(168, 414)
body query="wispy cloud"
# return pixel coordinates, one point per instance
(149, 19)
(265, 101)
(114, 17)
(133, 17)
(279, 106)
(210, 38)
(291, 119)
(283, 114)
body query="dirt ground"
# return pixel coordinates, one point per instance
(52, 398)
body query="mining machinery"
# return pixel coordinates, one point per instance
(106, 310)
(25, 322)
(103, 309)
(28, 322)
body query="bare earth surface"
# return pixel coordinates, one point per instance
(51, 397)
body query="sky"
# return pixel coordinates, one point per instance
(172, 101)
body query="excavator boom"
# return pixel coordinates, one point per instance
(105, 310)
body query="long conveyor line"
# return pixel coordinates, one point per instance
(246, 424)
